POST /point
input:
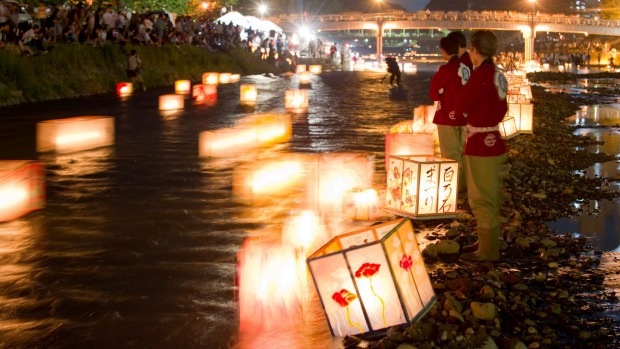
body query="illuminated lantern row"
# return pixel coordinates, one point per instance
(300, 68)
(210, 78)
(235, 77)
(75, 134)
(315, 69)
(305, 77)
(362, 204)
(22, 188)
(371, 279)
(516, 98)
(204, 94)
(124, 89)
(296, 101)
(182, 87)
(171, 102)
(422, 186)
(259, 130)
(224, 78)
(332, 175)
(524, 116)
(508, 127)
(248, 94)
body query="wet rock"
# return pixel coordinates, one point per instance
(448, 247)
(483, 311)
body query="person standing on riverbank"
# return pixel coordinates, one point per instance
(446, 84)
(134, 66)
(483, 103)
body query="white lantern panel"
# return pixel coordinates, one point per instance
(171, 102)
(75, 134)
(448, 187)
(508, 127)
(22, 188)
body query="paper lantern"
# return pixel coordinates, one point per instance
(422, 186)
(124, 89)
(271, 128)
(305, 231)
(315, 69)
(362, 204)
(268, 180)
(224, 78)
(171, 102)
(332, 175)
(524, 116)
(235, 77)
(527, 91)
(296, 100)
(75, 134)
(204, 94)
(408, 144)
(300, 68)
(304, 77)
(248, 94)
(210, 78)
(22, 188)
(410, 68)
(424, 114)
(182, 86)
(371, 279)
(508, 127)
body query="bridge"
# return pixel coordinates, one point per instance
(526, 23)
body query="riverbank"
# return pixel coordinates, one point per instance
(547, 290)
(71, 70)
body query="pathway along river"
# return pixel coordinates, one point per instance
(137, 247)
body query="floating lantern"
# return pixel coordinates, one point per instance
(235, 77)
(524, 115)
(224, 78)
(296, 100)
(124, 89)
(22, 188)
(182, 86)
(204, 94)
(210, 78)
(300, 67)
(304, 231)
(410, 68)
(267, 180)
(422, 186)
(75, 134)
(248, 94)
(508, 127)
(315, 69)
(372, 279)
(270, 128)
(334, 174)
(171, 102)
(304, 77)
(362, 204)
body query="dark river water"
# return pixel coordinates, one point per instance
(137, 245)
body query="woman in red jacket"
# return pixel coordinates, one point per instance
(483, 103)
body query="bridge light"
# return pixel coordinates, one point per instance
(262, 9)
(304, 32)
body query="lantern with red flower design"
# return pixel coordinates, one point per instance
(376, 274)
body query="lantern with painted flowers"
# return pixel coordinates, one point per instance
(422, 186)
(204, 94)
(371, 279)
(22, 188)
(75, 134)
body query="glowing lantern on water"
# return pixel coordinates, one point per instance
(182, 86)
(372, 279)
(315, 69)
(304, 78)
(260, 181)
(74, 134)
(508, 127)
(248, 94)
(410, 68)
(235, 77)
(304, 231)
(524, 115)
(210, 78)
(203, 93)
(171, 102)
(300, 68)
(362, 204)
(224, 78)
(22, 188)
(422, 186)
(334, 174)
(296, 100)
(124, 89)
(270, 128)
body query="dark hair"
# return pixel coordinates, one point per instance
(459, 37)
(485, 42)
(133, 52)
(450, 45)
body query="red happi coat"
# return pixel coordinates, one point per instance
(483, 103)
(445, 86)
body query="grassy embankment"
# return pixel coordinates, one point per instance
(71, 70)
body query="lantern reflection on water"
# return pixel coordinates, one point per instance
(182, 86)
(247, 94)
(296, 100)
(22, 188)
(422, 186)
(75, 134)
(171, 102)
(371, 279)
(210, 78)
(124, 89)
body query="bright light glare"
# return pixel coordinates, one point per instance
(304, 32)
(262, 8)
(77, 137)
(12, 196)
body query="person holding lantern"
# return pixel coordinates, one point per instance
(445, 85)
(483, 104)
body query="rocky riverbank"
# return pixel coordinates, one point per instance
(546, 291)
